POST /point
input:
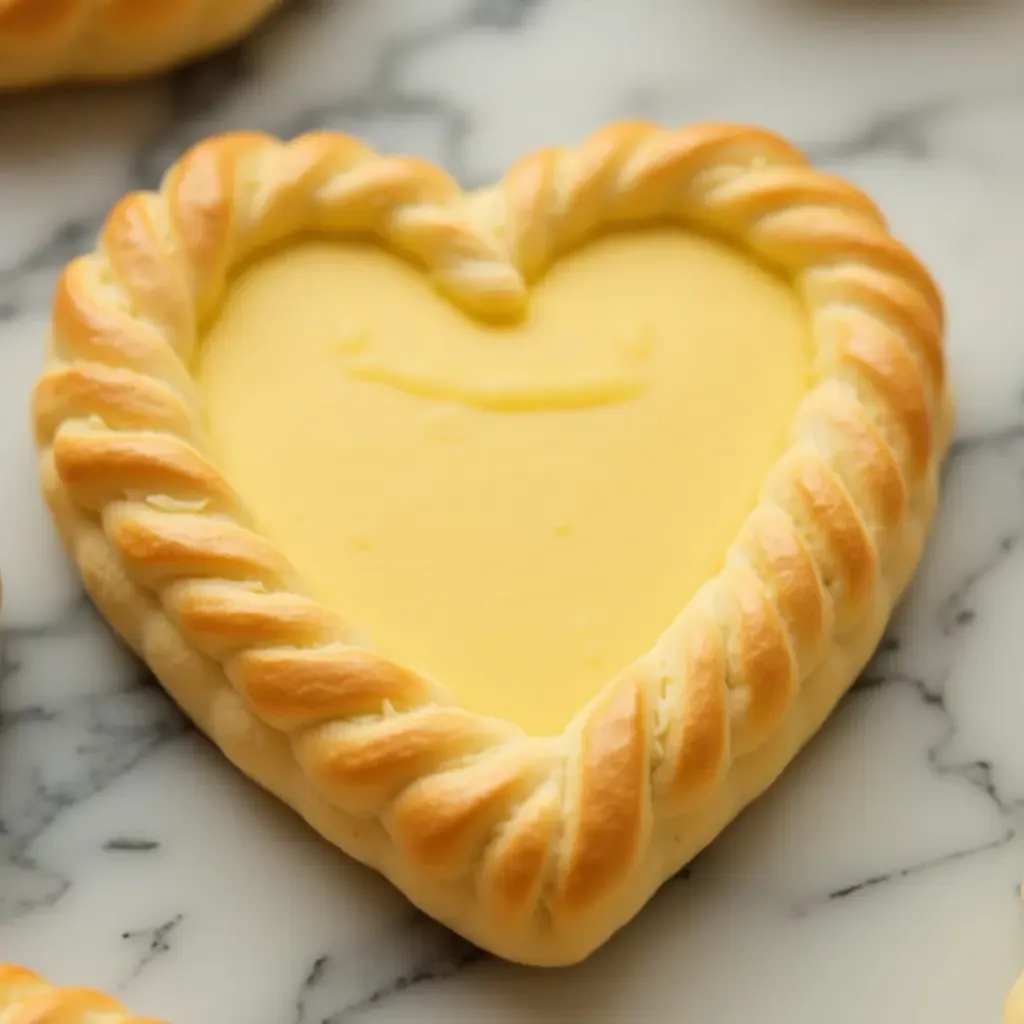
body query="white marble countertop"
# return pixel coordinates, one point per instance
(878, 881)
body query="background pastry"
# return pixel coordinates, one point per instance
(1013, 1012)
(44, 41)
(25, 998)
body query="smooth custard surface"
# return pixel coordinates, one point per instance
(518, 512)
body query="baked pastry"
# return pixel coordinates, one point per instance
(25, 998)
(1013, 1010)
(43, 41)
(662, 370)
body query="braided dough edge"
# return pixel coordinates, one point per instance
(51, 41)
(537, 849)
(25, 998)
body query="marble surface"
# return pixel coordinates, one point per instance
(878, 881)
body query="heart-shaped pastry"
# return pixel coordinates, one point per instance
(45, 41)
(517, 539)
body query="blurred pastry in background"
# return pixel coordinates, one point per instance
(1013, 1011)
(48, 41)
(25, 997)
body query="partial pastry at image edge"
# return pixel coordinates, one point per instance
(99, 41)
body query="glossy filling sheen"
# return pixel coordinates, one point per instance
(518, 512)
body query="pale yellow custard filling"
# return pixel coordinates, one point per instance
(517, 512)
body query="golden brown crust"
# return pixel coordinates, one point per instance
(535, 848)
(25, 998)
(45, 41)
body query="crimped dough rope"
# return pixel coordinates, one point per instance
(25, 998)
(43, 41)
(535, 848)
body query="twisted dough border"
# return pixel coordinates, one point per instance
(45, 41)
(537, 849)
(25, 998)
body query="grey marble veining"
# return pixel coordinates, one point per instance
(878, 880)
